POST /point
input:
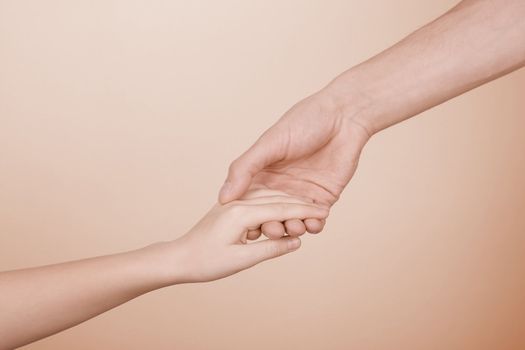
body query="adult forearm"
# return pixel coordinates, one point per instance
(475, 42)
(38, 302)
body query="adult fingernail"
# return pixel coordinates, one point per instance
(294, 243)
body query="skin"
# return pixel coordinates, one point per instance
(311, 152)
(314, 148)
(38, 302)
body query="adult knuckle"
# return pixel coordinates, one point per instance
(234, 166)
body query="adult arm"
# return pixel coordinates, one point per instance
(472, 44)
(313, 150)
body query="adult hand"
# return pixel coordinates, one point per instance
(312, 152)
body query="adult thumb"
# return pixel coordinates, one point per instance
(243, 169)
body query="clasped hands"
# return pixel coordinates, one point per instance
(282, 187)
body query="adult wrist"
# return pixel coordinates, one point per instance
(348, 96)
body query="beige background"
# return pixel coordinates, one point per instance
(119, 119)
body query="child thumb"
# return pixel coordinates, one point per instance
(271, 248)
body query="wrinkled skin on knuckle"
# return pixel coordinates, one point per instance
(273, 250)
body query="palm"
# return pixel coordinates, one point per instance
(317, 152)
(312, 152)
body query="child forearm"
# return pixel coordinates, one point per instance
(38, 302)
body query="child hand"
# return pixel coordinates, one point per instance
(217, 246)
(278, 229)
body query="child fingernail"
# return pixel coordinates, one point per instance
(294, 243)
